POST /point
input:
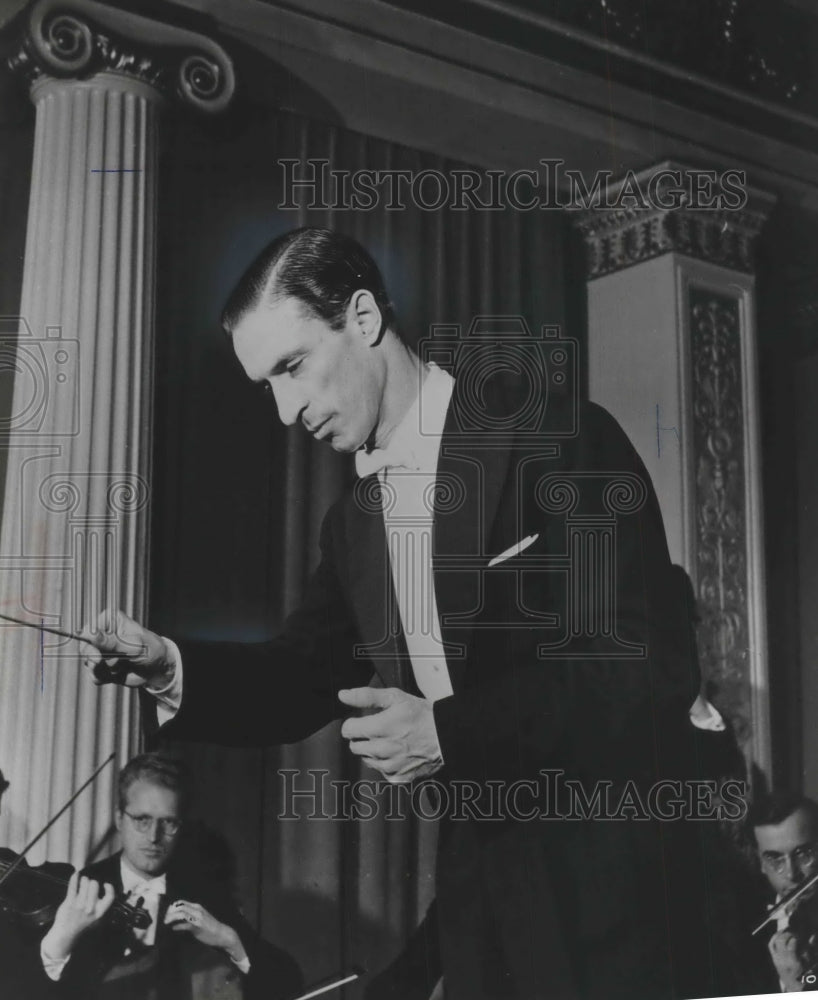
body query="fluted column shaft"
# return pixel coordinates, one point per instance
(74, 535)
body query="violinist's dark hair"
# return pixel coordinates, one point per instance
(157, 768)
(319, 267)
(775, 808)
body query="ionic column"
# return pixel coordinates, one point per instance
(672, 354)
(75, 519)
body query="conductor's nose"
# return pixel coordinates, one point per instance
(288, 397)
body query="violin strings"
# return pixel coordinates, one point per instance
(119, 904)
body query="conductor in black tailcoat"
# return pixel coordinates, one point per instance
(555, 637)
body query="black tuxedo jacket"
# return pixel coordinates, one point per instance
(598, 704)
(163, 970)
(574, 655)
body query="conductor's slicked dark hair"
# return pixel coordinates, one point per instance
(318, 267)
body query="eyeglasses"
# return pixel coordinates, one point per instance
(167, 827)
(801, 857)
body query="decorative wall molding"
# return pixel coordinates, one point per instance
(79, 38)
(647, 214)
(756, 45)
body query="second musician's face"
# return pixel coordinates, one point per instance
(788, 846)
(147, 843)
(329, 380)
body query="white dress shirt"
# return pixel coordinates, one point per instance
(406, 468)
(150, 891)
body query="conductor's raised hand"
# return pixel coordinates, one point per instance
(118, 650)
(401, 740)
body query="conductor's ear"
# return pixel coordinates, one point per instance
(364, 312)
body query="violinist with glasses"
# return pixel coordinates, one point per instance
(86, 955)
(785, 832)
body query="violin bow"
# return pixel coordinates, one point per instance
(19, 859)
(332, 984)
(790, 898)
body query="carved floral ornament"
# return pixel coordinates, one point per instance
(721, 522)
(79, 38)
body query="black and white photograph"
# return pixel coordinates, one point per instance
(408, 499)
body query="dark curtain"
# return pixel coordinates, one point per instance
(16, 143)
(238, 499)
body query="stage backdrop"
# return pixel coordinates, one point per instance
(238, 499)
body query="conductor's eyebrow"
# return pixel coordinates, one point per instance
(280, 366)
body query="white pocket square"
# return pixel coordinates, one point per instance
(515, 550)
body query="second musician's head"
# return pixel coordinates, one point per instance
(152, 797)
(786, 835)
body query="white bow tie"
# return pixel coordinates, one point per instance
(148, 890)
(391, 457)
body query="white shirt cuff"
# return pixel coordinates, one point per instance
(169, 697)
(53, 966)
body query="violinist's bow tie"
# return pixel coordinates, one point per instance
(147, 890)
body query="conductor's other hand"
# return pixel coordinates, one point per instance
(400, 740)
(119, 650)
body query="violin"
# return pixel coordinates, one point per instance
(30, 895)
(804, 914)
(804, 898)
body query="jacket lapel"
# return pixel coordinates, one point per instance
(472, 470)
(371, 589)
(471, 473)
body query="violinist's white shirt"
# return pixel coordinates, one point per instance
(135, 887)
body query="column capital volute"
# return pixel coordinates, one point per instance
(709, 214)
(77, 39)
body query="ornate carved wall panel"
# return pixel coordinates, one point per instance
(721, 528)
(672, 354)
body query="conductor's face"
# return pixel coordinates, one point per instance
(332, 381)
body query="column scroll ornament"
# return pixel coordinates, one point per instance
(721, 523)
(78, 38)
